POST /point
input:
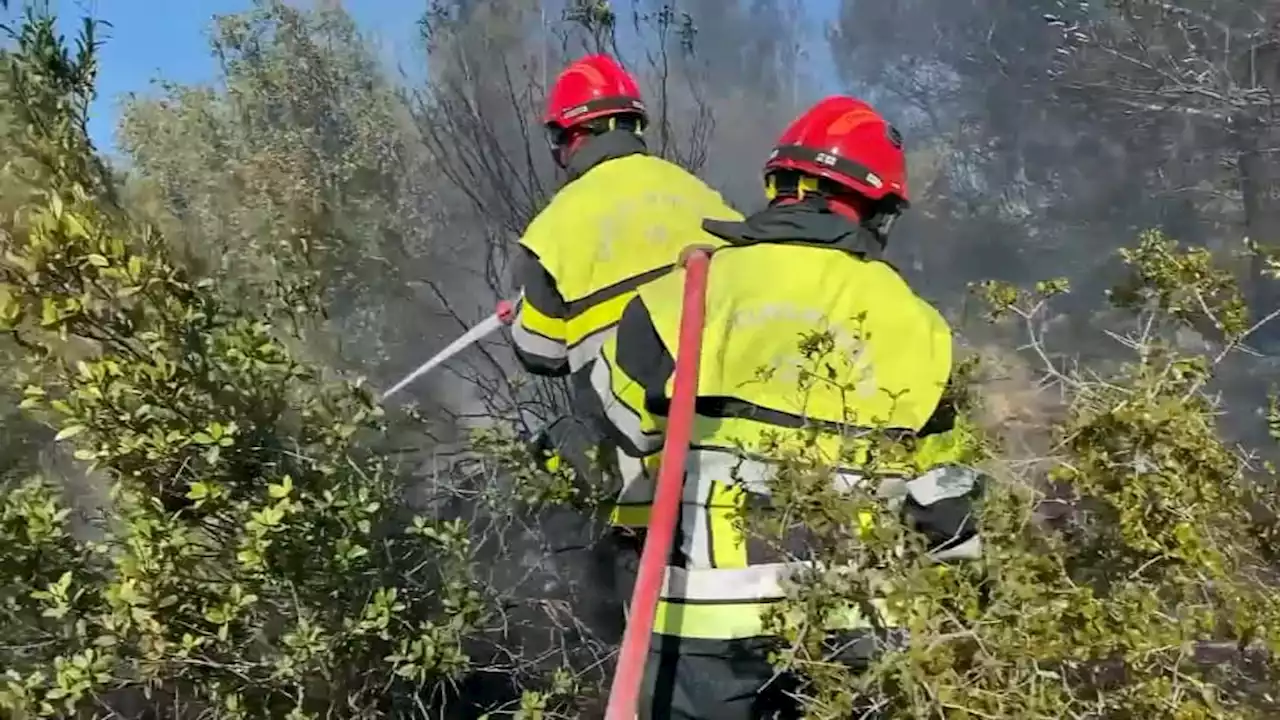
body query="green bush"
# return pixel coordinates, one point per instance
(1127, 574)
(253, 560)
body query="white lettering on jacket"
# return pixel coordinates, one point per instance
(849, 360)
(661, 219)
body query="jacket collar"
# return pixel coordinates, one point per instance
(805, 223)
(603, 147)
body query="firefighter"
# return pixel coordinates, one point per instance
(619, 221)
(812, 259)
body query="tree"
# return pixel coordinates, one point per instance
(1202, 74)
(294, 181)
(1128, 573)
(302, 140)
(253, 561)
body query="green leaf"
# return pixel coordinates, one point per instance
(68, 432)
(282, 489)
(48, 312)
(76, 228)
(97, 260)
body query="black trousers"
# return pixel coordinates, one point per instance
(689, 679)
(716, 680)
(726, 683)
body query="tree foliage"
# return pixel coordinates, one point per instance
(1128, 572)
(253, 561)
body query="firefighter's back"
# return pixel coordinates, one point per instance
(619, 226)
(887, 345)
(769, 303)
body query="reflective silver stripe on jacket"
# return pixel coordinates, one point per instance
(587, 348)
(534, 344)
(637, 486)
(757, 583)
(623, 418)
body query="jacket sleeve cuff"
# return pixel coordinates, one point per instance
(539, 354)
(942, 506)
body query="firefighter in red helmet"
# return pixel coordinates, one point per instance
(843, 157)
(619, 221)
(592, 89)
(812, 258)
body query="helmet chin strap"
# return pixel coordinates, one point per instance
(881, 222)
(562, 144)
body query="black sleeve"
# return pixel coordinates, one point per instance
(942, 420)
(644, 357)
(640, 358)
(538, 331)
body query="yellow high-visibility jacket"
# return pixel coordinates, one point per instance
(765, 293)
(621, 222)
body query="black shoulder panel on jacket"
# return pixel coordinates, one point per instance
(540, 289)
(643, 356)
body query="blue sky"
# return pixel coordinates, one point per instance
(151, 39)
(168, 39)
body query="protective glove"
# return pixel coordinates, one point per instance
(542, 449)
(568, 443)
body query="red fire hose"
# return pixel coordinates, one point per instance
(624, 695)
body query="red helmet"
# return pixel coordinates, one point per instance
(847, 142)
(592, 87)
